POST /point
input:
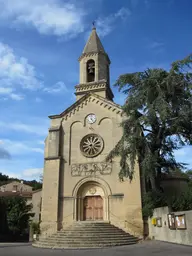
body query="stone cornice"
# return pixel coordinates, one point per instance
(119, 195)
(53, 158)
(54, 129)
(89, 97)
(90, 54)
(94, 87)
(89, 86)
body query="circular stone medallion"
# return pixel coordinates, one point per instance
(92, 191)
(91, 145)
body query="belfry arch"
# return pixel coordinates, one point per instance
(90, 70)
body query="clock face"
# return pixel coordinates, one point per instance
(91, 118)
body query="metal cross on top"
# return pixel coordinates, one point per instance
(93, 23)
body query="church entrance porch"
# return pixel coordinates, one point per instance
(93, 208)
(91, 202)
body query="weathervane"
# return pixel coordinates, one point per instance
(93, 23)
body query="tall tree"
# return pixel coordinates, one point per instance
(18, 214)
(157, 120)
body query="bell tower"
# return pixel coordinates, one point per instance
(94, 69)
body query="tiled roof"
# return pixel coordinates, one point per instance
(10, 193)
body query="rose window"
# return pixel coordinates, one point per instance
(91, 145)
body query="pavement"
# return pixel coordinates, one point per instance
(148, 248)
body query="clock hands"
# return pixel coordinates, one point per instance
(91, 118)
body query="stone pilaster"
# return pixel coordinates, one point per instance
(50, 192)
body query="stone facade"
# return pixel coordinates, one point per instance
(78, 183)
(16, 186)
(36, 202)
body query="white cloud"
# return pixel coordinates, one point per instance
(40, 128)
(16, 71)
(155, 45)
(27, 174)
(106, 25)
(15, 74)
(11, 174)
(37, 99)
(55, 17)
(7, 91)
(184, 155)
(123, 13)
(15, 96)
(20, 148)
(56, 88)
(32, 172)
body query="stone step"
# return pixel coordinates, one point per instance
(91, 230)
(95, 231)
(87, 235)
(104, 235)
(81, 246)
(91, 226)
(83, 243)
(88, 240)
(87, 224)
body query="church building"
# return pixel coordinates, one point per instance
(79, 185)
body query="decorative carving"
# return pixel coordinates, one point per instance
(91, 145)
(86, 87)
(92, 191)
(88, 169)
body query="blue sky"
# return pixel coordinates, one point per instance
(40, 42)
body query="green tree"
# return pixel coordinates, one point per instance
(33, 183)
(18, 214)
(189, 174)
(3, 177)
(157, 121)
(3, 217)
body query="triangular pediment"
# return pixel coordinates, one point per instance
(89, 97)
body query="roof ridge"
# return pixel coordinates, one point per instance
(87, 95)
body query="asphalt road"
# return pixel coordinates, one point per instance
(149, 248)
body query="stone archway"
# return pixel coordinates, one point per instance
(91, 200)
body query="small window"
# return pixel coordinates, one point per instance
(90, 71)
(15, 187)
(2, 189)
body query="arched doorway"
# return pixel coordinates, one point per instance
(91, 201)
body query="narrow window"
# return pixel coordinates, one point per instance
(90, 71)
(15, 188)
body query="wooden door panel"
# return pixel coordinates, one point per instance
(93, 208)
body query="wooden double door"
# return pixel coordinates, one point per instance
(93, 208)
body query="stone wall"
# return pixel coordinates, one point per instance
(164, 233)
(16, 186)
(36, 202)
